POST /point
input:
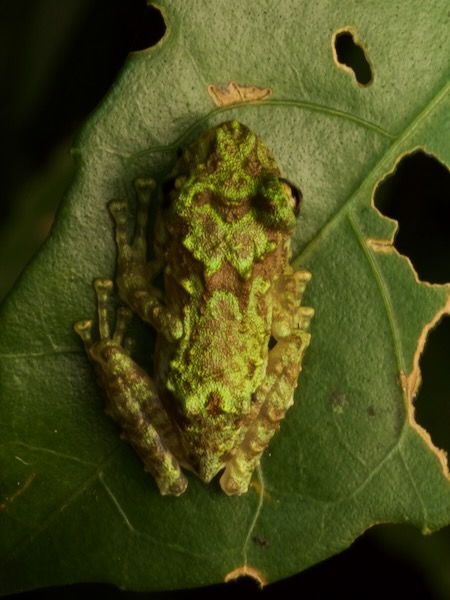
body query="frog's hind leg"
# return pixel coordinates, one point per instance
(134, 271)
(275, 394)
(131, 396)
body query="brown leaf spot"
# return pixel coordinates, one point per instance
(235, 93)
(260, 541)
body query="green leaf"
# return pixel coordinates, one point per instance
(75, 504)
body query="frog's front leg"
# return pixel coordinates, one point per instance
(275, 395)
(134, 272)
(131, 396)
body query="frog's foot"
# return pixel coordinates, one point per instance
(133, 267)
(287, 312)
(131, 396)
(275, 395)
(103, 289)
(134, 272)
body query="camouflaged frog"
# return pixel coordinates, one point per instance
(231, 330)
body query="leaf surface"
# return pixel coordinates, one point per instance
(75, 504)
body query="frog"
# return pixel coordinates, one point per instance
(231, 332)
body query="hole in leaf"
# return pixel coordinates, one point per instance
(432, 406)
(150, 30)
(350, 53)
(417, 195)
(245, 585)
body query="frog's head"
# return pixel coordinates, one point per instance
(230, 169)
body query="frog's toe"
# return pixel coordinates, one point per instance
(123, 317)
(231, 486)
(145, 187)
(103, 289)
(176, 488)
(103, 286)
(84, 330)
(305, 314)
(118, 209)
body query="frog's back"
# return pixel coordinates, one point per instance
(222, 357)
(226, 228)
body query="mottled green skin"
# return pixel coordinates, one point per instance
(222, 241)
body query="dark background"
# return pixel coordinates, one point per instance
(57, 60)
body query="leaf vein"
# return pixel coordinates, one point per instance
(256, 515)
(384, 293)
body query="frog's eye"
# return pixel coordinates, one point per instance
(294, 194)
